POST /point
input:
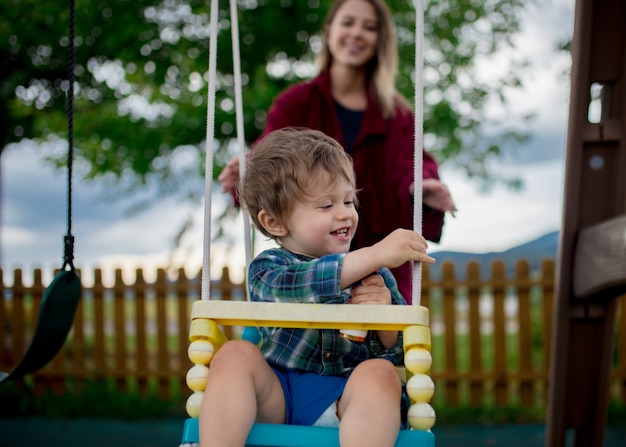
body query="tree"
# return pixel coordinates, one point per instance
(140, 89)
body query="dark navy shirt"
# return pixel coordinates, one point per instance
(350, 121)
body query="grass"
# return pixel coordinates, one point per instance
(90, 400)
(488, 415)
(98, 400)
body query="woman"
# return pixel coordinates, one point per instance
(353, 99)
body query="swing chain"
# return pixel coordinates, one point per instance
(68, 257)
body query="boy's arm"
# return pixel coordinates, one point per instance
(394, 250)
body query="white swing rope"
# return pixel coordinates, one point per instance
(210, 143)
(234, 18)
(210, 140)
(419, 143)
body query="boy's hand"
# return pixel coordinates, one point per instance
(371, 290)
(402, 246)
(399, 247)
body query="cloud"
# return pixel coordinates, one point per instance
(503, 219)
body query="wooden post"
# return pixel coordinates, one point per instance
(120, 369)
(161, 334)
(101, 367)
(499, 333)
(476, 366)
(451, 389)
(594, 193)
(524, 334)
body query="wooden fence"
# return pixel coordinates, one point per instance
(491, 333)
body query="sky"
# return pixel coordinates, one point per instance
(33, 215)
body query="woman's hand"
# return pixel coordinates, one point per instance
(435, 195)
(230, 175)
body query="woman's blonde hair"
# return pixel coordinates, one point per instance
(286, 166)
(381, 71)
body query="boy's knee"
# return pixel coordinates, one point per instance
(379, 371)
(238, 352)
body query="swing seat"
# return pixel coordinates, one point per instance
(208, 315)
(264, 435)
(56, 316)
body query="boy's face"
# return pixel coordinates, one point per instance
(324, 222)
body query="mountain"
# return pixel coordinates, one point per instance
(535, 251)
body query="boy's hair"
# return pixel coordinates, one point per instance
(285, 166)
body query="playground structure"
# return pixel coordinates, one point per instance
(591, 267)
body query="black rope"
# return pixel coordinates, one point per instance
(68, 257)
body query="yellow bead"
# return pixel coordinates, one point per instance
(420, 388)
(421, 416)
(193, 404)
(418, 360)
(200, 351)
(416, 336)
(197, 377)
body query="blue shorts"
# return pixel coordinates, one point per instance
(308, 395)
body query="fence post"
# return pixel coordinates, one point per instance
(226, 289)
(183, 291)
(77, 337)
(449, 318)
(524, 334)
(162, 331)
(426, 286)
(499, 333)
(99, 353)
(547, 285)
(17, 317)
(120, 370)
(142, 360)
(476, 366)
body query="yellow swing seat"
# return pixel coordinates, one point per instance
(206, 337)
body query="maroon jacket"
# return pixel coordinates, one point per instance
(383, 161)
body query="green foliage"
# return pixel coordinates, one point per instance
(488, 415)
(101, 400)
(140, 91)
(88, 400)
(616, 415)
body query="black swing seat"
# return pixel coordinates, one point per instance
(54, 322)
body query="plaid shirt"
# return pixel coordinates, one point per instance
(278, 275)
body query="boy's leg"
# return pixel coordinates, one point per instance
(369, 409)
(242, 389)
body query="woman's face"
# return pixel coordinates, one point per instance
(353, 34)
